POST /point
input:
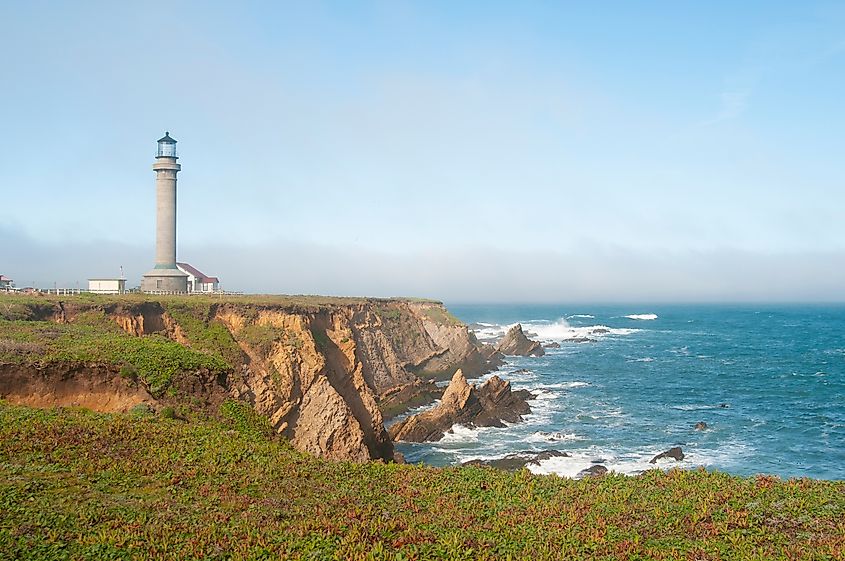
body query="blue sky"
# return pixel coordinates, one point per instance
(462, 150)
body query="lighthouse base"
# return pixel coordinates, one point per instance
(160, 281)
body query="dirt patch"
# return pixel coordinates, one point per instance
(94, 387)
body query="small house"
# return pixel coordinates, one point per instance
(107, 286)
(199, 281)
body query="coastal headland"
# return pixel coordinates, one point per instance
(250, 427)
(325, 372)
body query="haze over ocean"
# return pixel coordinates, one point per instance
(769, 381)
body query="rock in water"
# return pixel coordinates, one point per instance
(518, 460)
(675, 453)
(486, 406)
(700, 425)
(516, 343)
(500, 403)
(552, 345)
(592, 471)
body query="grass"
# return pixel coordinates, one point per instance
(211, 337)
(153, 358)
(12, 304)
(77, 485)
(441, 315)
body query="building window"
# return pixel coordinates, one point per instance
(158, 284)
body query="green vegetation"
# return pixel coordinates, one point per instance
(264, 337)
(440, 315)
(210, 337)
(153, 358)
(388, 313)
(244, 419)
(23, 303)
(321, 339)
(76, 485)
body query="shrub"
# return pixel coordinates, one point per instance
(244, 419)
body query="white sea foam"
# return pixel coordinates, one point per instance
(561, 330)
(460, 434)
(544, 330)
(584, 316)
(543, 436)
(633, 462)
(644, 359)
(542, 394)
(563, 385)
(642, 316)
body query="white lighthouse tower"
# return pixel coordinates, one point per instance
(165, 277)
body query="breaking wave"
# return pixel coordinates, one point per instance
(642, 316)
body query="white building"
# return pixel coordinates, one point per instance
(107, 286)
(6, 283)
(199, 281)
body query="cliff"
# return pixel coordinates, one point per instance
(321, 370)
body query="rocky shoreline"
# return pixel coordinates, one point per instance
(325, 374)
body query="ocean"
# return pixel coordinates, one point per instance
(768, 380)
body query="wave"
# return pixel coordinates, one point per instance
(642, 316)
(584, 316)
(699, 407)
(562, 331)
(634, 462)
(545, 330)
(543, 436)
(562, 385)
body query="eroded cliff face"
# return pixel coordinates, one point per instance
(309, 382)
(93, 386)
(320, 374)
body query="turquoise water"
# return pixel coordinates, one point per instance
(769, 381)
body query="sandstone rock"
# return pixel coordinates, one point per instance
(398, 400)
(675, 453)
(516, 343)
(493, 357)
(592, 471)
(458, 348)
(488, 405)
(500, 403)
(700, 425)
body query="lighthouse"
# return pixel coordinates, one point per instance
(165, 276)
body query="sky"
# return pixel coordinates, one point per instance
(465, 151)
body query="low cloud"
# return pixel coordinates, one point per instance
(482, 274)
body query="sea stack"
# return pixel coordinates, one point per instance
(165, 276)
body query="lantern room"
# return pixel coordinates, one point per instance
(166, 147)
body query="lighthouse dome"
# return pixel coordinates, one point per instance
(166, 146)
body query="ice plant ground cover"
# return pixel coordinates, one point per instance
(79, 485)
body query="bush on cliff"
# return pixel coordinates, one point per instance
(154, 358)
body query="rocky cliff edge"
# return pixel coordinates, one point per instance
(320, 370)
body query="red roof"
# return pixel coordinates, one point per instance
(197, 273)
